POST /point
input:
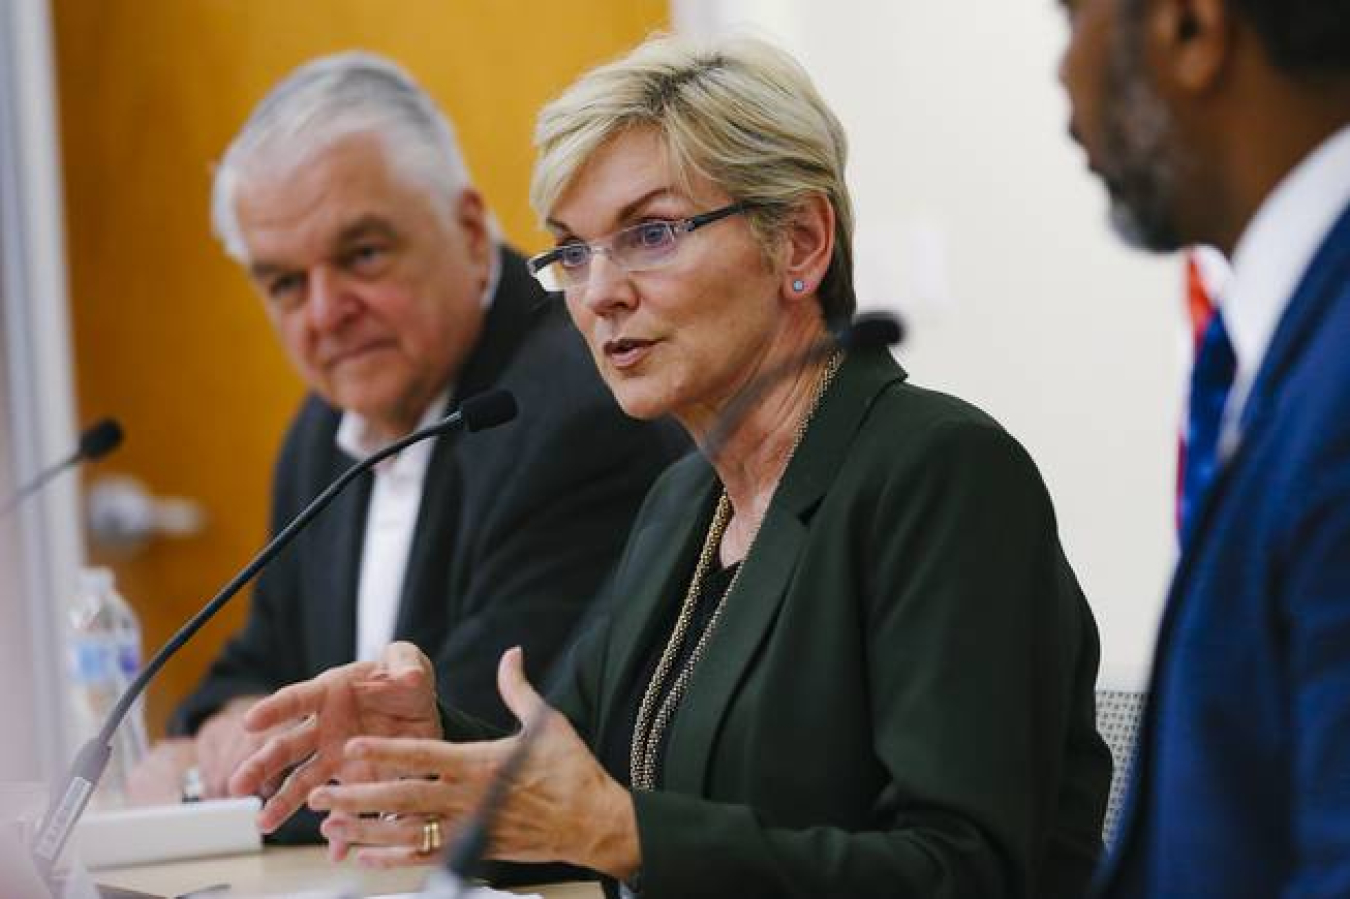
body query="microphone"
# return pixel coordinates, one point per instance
(478, 413)
(872, 330)
(97, 441)
(100, 439)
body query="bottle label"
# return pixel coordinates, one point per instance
(128, 659)
(91, 660)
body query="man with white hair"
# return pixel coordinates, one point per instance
(347, 201)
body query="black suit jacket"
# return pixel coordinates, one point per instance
(898, 700)
(517, 529)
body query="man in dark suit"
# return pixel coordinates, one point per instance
(346, 199)
(1227, 122)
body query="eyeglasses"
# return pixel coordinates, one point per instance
(640, 248)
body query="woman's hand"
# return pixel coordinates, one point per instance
(561, 805)
(313, 721)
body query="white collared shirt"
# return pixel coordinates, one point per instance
(1272, 257)
(391, 521)
(391, 517)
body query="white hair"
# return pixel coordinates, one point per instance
(329, 99)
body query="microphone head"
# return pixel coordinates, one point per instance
(100, 439)
(488, 409)
(870, 330)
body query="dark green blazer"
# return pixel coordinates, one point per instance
(899, 699)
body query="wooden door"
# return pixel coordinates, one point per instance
(167, 334)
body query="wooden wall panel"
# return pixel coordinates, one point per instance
(167, 334)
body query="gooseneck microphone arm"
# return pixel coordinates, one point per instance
(465, 854)
(871, 329)
(96, 442)
(486, 410)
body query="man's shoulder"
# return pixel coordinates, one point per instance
(528, 342)
(547, 365)
(312, 431)
(567, 414)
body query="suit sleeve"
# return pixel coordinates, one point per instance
(557, 525)
(1316, 620)
(975, 639)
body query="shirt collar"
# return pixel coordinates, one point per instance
(494, 276)
(1276, 249)
(358, 439)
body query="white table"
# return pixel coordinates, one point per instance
(280, 871)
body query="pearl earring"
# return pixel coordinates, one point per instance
(799, 285)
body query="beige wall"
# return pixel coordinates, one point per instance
(167, 335)
(978, 220)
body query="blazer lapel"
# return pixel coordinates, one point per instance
(517, 305)
(1312, 298)
(1321, 285)
(1317, 291)
(332, 627)
(424, 601)
(752, 607)
(659, 551)
(746, 620)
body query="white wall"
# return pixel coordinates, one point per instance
(977, 218)
(40, 545)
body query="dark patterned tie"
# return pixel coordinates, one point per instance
(1199, 310)
(1211, 380)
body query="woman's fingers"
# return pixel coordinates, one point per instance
(454, 761)
(411, 797)
(387, 840)
(393, 857)
(292, 793)
(374, 830)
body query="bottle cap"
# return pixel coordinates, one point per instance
(96, 579)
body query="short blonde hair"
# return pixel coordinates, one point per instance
(738, 112)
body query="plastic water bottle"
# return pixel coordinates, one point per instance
(105, 653)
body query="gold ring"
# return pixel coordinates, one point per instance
(431, 836)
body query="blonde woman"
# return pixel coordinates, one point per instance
(846, 655)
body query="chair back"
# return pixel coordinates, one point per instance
(1118, 715)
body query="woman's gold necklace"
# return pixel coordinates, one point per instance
(653, 720)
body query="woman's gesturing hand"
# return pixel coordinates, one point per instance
(395, 696)
(561, 805)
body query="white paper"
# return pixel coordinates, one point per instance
(150, 834)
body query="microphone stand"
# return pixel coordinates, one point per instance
(95, 443)
(483, 411)
(872, 329)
